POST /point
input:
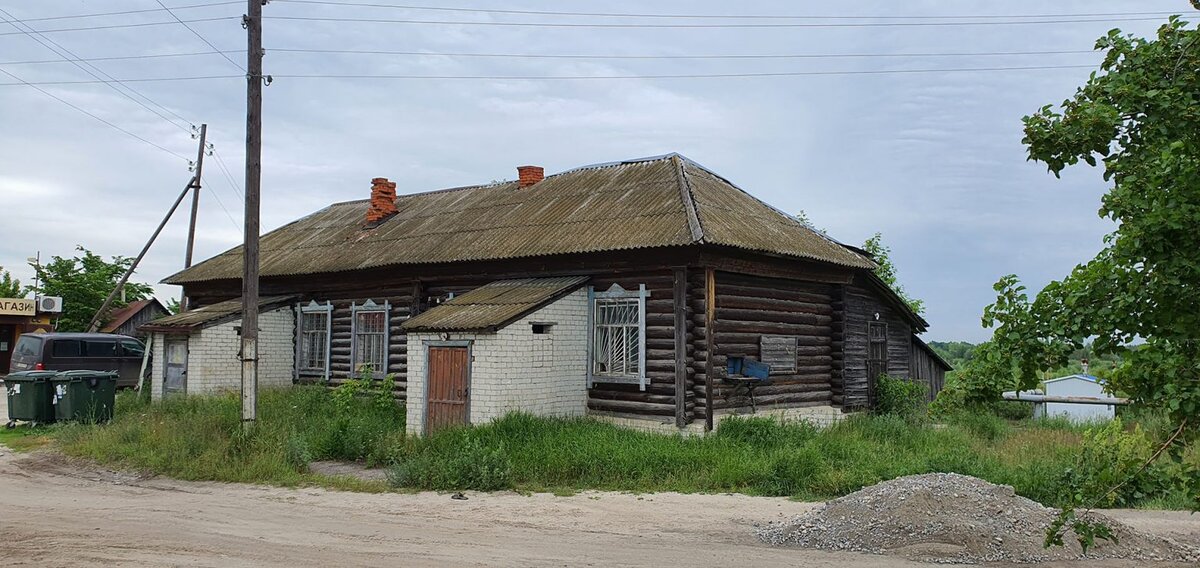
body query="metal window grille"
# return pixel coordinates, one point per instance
(369, 343)
(616, 329)
(312, 339)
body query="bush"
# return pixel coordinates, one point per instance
(1113, 457)
(900, 397)
(472, 464)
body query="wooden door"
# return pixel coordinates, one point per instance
(877, 357)
(175, 366)
(448, 387)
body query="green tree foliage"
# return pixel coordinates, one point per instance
(10, 287)
(957, 353)
(173, 306)
(83, 282)
(886, 271)
(1138, 117)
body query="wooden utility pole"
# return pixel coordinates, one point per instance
(254, 85)
(191, 241)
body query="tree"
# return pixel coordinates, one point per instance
(886, 271)
(173, 306)
(10, 287)
(83, 282)
(1139, 117)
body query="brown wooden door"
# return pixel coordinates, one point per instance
(449, 373)
(877, 357)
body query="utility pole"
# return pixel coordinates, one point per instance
(191, 241)
(254, 86)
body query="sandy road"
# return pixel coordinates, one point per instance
(57, 513)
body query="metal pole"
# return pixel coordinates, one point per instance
(95, 324)
(254, 85)
(191, 240)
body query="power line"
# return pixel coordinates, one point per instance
(613, 25)
(596, 77)
(706, 16)
(708, 26)
(109, 124)
(121, 26)
(131, 12)
(59, 50)
(576, 56)
(130, 80)
(197, 34)
(233, 184)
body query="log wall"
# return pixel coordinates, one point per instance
(748, 307)
(861, 305)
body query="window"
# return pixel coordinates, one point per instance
(101, 349)
(67, 348)
(312, 339)
(616, 328)
(369, 344)
(132, 348)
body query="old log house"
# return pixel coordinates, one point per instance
(634, 291)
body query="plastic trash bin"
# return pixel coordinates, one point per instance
(29, 397)
(86, 396)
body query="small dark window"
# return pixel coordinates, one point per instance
(542, 328)
(67, 348)
(29, 346)
(101, 349)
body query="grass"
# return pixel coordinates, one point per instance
(200, 438)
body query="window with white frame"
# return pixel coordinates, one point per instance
(617, 331)
(312, 339)
(369, 337)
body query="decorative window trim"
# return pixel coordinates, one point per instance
(368, 307)
(616, 292)
(312, 307)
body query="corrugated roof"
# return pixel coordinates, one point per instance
(210, 314)
(654, 202)
(494, 305)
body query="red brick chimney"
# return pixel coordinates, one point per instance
(383, 200)
(529, 175)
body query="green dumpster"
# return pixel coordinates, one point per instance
(86, 396)
(29, 397)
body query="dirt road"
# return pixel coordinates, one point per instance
(57, 513)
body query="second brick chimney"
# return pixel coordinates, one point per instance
(383, 200)
(529, 175)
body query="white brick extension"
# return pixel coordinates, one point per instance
(514, 368)
(213, 364)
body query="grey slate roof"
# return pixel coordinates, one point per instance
(495, 305)
(652, 202)
(210, 315)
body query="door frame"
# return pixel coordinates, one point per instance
(167, 341)
(872, 380)
(470, 345)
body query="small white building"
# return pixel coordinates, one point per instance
(196, 352)
(512, 345)
(1077, 386)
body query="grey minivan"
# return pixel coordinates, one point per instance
(80, 351)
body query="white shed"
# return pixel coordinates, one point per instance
(1075, 385)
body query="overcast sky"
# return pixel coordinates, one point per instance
(934, 161)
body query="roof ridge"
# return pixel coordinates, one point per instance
(688, 199)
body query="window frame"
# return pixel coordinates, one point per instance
(616, 292)
(310, 309)
(369, 307)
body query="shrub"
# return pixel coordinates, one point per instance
(900, 397)
(470, 465)
(1111, 464)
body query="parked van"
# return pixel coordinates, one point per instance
(80, 351)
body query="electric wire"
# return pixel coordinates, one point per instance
(736, 56)
(700, 16)
(202, 38)
(74, 59)
(131, 12)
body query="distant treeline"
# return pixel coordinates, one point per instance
(959, 352)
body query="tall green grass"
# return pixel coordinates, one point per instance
(201, 438)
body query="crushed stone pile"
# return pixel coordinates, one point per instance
(951, 518)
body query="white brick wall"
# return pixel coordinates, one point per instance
(515, 369)
(212, 355)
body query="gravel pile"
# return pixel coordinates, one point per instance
(951, 518)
